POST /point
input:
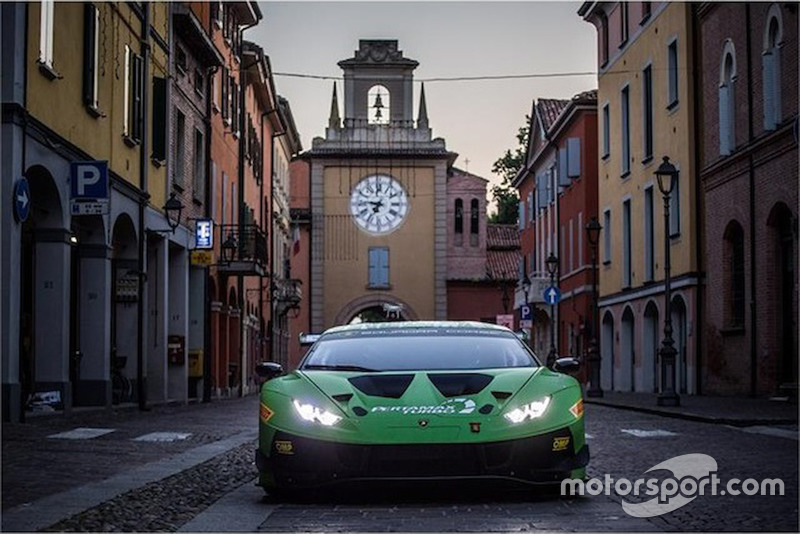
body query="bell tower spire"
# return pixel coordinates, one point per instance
(334, 121)
(422, 116)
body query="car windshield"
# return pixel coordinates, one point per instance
(396, 350)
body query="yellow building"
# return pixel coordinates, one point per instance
(79, 96)
(646, 112)
(378, 199)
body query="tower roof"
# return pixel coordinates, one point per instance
(378, 52)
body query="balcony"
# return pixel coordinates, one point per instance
(243, 251)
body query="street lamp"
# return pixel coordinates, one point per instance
(552, 267)
(228, 249)
(666, 174)
(173, 210)
(595, 389)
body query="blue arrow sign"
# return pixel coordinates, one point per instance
(552, 295)
(22, 200)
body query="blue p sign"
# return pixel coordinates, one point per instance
(89, 179)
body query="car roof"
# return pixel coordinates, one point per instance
(411, 325)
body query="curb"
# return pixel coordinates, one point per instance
(732, 421)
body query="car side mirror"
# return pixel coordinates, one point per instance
(269, 370)
(567, 365)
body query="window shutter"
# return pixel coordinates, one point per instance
(159, 152)
(541, 190)
(550, 185)
(606, 131)
(574, 155)
(776, 85)
(89, 21)
(224, 81)
(768, 80)
(563, 177)
(530, 206)
(724, 120)
(675, 207)
(521, 215)
(384, 266)
(137, 79)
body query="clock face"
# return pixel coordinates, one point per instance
(379, 204)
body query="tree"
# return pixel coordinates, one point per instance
(507, 167)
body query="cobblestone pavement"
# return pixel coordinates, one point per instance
(219, 495)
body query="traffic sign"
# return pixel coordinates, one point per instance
(22, 200)
(552, 295)
(204, 234)
(505, 319)
(202, 258)
(526, 323)
(89, 180)
(526, 312)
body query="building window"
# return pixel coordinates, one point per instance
(91, 39)
(225, 86)
(606, 131)
(199, 79)
(159, 120)
(46, 23)
(180, 149)
(603, 39)
(771, 71)
(459, 215)
(647, 116)
(672, 78)
(649, 237)
(623, 23)
(378, 267)
(607, 237)
(521, 215)
(199, 166)
(675, 207)
(627, 266)
(180, 60)
(132, 117)
(474, 222)
(625, 132)
(379, 105)
(647, 9)
(531, 211)
(734, 274)
(727, 102)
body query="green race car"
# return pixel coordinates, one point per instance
(419, 400)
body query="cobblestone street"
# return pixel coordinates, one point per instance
(206, 480)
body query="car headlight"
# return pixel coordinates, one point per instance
(532, 410)
(309, 412)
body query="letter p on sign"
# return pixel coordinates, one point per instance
(89, 180)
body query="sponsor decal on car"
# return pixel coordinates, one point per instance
(448, 407)
(577, 409)
(560, 444)
(265, 413)
(284, 447)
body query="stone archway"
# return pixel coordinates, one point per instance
(124, 308)
(607, 352)
(650, 336)
(376, 300)
(44, 291)
(627, 360)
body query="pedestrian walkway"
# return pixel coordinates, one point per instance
(115, 449)
(735, 411)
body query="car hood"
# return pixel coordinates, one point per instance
(443, 393)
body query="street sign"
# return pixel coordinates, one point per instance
(202, 258)
(89, 188)
(505, 319)
(526, 323)
(552, 295)
(526, 312)
(22, 200)
(204, 234)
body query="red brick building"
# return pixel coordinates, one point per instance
(558, 197)
(748, 160)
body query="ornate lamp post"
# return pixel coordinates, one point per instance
(666, 174)
(595, 389)
(552, 267)
(173, 210)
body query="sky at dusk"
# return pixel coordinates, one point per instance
(478, 119)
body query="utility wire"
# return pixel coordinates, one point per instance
(454, 78)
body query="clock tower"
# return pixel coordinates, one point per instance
(378, 198)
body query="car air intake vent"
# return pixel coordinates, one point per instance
(501, 395)
(392, 386)
(343, 397)
(455, 384)
(486, 409)
(359, 411)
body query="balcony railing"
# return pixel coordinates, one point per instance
(243, 250)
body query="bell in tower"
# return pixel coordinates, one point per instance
(377, 114)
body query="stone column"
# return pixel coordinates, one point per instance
(158, 309)
(96, 293)
(178, 322)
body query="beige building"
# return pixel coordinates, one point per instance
(378, 186)
(646, 112)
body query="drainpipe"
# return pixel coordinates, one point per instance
(752, 185)
(698, 195)
(143, 168)
(207, 211)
